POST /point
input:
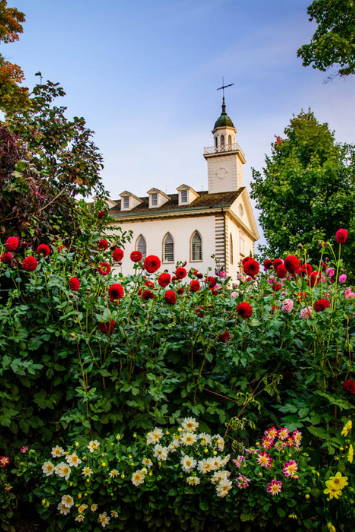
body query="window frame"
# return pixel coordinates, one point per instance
(196, 232)
(136, 247)
(164, 243)
(126, 200)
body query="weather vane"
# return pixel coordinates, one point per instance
(224, 86)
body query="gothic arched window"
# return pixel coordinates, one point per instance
(222, 142)
(230, 141)
(231, 253)
(196, 246)
(168, 248)
(141, 245)
(216, 142)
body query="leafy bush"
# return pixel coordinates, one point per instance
(89, 359)
(183, 479)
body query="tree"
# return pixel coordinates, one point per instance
(306, 190)
(333, 42)
(12, 96)
(47, 161)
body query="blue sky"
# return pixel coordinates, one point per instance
(144, 74)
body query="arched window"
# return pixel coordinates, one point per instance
(141, 245)
(168, 248)
(230, 142)
(216, 142)
(231, 253)
(222, 142)
(196, 246)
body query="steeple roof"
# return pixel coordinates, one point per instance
(223, 120)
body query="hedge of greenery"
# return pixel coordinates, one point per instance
(87, 353)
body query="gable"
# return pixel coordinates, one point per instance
(242, 210)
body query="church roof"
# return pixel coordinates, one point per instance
(202, 202)
(223, 120)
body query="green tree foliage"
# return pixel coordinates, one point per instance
(333, 42)
(46, 162)
(12, 96)
(306, 190)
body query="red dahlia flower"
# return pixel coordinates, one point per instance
(180, 290)
(104, 268)
(251, 267)
(281, 271)
(292, 264)
(164, 279)
(212, 281)
(108, 327)
(170, 297)
(246, 259)
(244, 310)
(12, 243)
(194, 286)
(6, 257)
(152, 263)
(117, 254)
(267, 264)
(115, 291)
(74, 284)
(306, 269)
(276, 287)
(349, 386)
(150, 284)
(29, 263)
(314, 278)
(101, 214)
(321, 304)
(277, 262)
(43, 249)
(341, 236)
(224, 336)
(180, 273)
(136, 256)
(147, 294)
(103, 244)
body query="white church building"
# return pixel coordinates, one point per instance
(210, 229)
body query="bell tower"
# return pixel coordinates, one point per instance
(225, 159)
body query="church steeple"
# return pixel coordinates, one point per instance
(223, 120)
(225, 159)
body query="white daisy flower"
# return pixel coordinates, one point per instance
(103, 519)
(79, 518)
(93, 507)
(193, 481)
(160, 452)
(187, 463)
(63, 509)
(217, 463)
(219, 476)
(204, 439)
(86, 471)
(205, 465)
(67, 501)
(147, 462)
(93, 445)
(57, 452)
(114, 514)
(189, 424)
(63, 470)
(223, 488)
(138, 477)
(82, 508)
(73, 460)
(218, 441)
(188, 438)
(113, 473)
(154, 436)
(48, 468)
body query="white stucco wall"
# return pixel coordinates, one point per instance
(181, 230)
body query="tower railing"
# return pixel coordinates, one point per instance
(208, 150)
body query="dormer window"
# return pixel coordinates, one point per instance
(126, 202)
(154, 199)
(184, 196)
(129, 201)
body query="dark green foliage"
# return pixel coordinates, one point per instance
(333, 42)
(306, 190)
